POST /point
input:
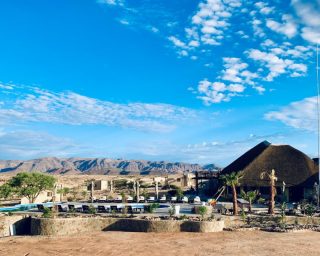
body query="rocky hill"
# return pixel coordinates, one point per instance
(103, 166)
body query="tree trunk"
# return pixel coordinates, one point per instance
(271, 204)
(92, 187)
(137, 191)
(234, 200)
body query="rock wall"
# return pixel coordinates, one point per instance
(68, 226)
(19, 223)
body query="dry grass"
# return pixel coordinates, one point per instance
(247, 243)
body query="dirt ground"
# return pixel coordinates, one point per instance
(122, 243)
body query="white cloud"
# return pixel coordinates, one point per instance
(216, 92)
(288, 27)
(233, 68)
(209, 23)
(276, 65)
(37, 105)
(264, 8)
(300, 114)
(311, 34)
(26, 144)
(308, 11)
(111, 2)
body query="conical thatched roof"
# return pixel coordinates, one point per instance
(291, 165)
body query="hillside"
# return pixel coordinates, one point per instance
(102, 166)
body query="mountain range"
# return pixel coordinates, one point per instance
(100, 166)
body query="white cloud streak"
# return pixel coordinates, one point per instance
(70, 108)
(300, 114)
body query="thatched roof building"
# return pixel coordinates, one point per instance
(291, 165)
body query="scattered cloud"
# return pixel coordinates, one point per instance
(300, 114)
(26, 144)
(208, 25)
(288, 27)
(216, 92)
(308, 12)
(112, 2)
(37, 105)
(277, 65)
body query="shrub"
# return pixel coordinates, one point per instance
(310, 210)
(92, 210)
(153, 207)
(203, 211)
(171, 211)
(47, 213)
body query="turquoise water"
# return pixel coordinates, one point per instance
(22, 207)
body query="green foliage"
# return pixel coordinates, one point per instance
(310, 210)
(120, 184)
(63, 191)
(250, 196)
(47, 213)
(232, 179)
(179, 192)
(5, 191)
(203, 211)
(84, 194)
(145, 193)
(32, 184)
(283, 213)
(171, 211)
(123, 195)
(243, 215)
(183, 217)
(153, 207)
(92, 210)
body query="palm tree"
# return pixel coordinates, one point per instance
(232, 180)
(272, 179)
(250, 196)
(63, 192)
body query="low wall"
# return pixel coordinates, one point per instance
(19, 223)
(233, 221)
(67, 226)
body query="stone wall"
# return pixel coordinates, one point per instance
(67, 226)
(20, 224)
(233, 221)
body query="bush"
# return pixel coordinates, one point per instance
(92, 210)
(310, 210)
(203, 211)
(47, 213)
(171, 211)
(153, 207)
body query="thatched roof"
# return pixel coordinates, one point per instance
(291, 165)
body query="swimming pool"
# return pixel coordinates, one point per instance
(22, 207)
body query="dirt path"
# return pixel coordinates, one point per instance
(122, 243)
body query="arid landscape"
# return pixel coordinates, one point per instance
(249, 243)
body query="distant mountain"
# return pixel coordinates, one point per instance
(103, 166)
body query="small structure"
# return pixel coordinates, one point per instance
(100, 185)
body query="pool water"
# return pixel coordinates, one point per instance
(21, 207)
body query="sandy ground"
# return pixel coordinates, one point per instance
(122, 243)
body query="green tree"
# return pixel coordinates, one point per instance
(179, 193)
(32, 184)
(63, 192)
(250, 196)
(232, 180)
(5, 191)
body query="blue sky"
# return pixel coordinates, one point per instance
(192, 81)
